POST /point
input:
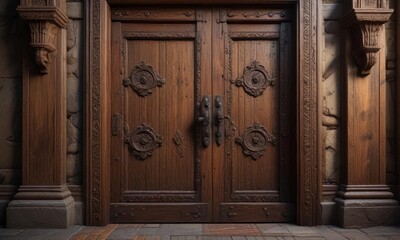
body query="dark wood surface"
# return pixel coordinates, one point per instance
(196, 2)
(174, 169)
(365, 111)
(161, 69)
(305, 67)
(44, 118)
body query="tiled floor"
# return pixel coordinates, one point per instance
(202, 232)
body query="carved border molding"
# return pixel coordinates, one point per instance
(366, 25)
(45, 19)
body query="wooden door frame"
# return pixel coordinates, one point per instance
(308, 104)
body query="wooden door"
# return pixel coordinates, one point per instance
(253, 72)
(160, 167)
(201, 119)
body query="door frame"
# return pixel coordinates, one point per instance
(97, 124)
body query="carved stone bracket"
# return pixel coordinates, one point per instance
(254, 140)
(255, 79)
(366, 24)
(45, 18)
(143, 141)
(143, 79)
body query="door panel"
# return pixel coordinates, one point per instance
(156, 172)
(167, 163)
(257, 163)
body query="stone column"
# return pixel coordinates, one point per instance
(43, 200)
(364, 198)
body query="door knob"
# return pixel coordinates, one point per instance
(204, 120)
(219, 120)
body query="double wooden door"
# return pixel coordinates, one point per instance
(202, 110)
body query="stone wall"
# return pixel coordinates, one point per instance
(75, 83)
(75, 53)
(331, 84)
(11, 46)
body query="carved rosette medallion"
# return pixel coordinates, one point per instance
(254, 140)
(143, 141)
(143, 79)
(255, 79)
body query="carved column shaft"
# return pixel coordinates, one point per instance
(363, 197)
(43, 200)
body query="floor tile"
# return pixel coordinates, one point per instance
(123, 232)
(393, 237)
(9, 232)
(308, 238)
(382, 230)
(94, 232)
(214, 238)
(184, 237)
(152, 225)
(147, 231)
(231, 229)
(300, 231)
(146, 238)
(328, 233)
(238, 238)
(203, 232)
(273, 230)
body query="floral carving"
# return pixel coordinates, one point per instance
(255, 79)
(257, 14)
(45, 19)
(254, 140)
(367, 36)
(143, 79)
(143, 141)
(44, 37)
(365, 27)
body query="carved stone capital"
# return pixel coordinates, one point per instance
(45, 19)
(366, 25)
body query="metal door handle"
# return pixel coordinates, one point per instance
(204, 120)
(219, 120)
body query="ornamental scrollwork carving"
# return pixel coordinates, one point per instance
(143, 141)
(365, 26)
(257, 14)
(255, 140)
(178, 140)
(255, 79)
(143, 79)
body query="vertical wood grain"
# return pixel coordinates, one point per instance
(307, 12)
(365, 114)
